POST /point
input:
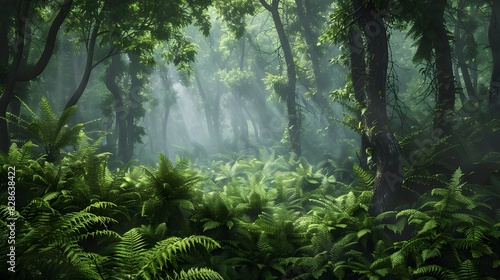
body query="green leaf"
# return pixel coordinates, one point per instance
(363, 232)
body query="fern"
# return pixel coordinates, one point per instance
(17, 156)
(253, 204)
(217, 211)
(50, 242)
(451, 234)
(196, 274)
(48, 130)
(167, 253)
(129, 253)
(363, 177)
(173, 193)
(435, 271)
(468, 271)
(452, 197)
(84, 179)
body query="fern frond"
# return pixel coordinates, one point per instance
(468, 271)
(168, 252)
(363, 177)
(129, 253)
(452, 198)
(17, 156)
(50, 131)
(431, 270)
(197, 274)
(99, 205)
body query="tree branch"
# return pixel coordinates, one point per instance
(88, 67)
(38, 68)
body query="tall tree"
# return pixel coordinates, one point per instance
(466, 47)
(433, 45)
(358, 77)
(384, 146)
(494, 40)
(445, 101)
(12, 72)
(127, 102)
(147, 25)
(294, 126)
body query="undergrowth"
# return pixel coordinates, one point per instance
(241, 217)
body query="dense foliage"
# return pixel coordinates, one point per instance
(240, 217)
(250, 139)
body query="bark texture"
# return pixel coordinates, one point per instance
(445, 99)
(358, 76)
(385, 148)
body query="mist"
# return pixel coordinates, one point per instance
(270, 139)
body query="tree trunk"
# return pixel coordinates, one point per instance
(168, 101)
(234, 119)
(445, 100)
(216, 115)
(5, 24)
(358, 76)
(164, 129)
(11, 78)
(385, 148)
(471, 92)
(31, 73)
(243, 124)
(111, 74)
(131, 136)
(207, 108)
(21, 90)
(18, 74)
(134, 104)
(88, 67)
(461, 61)
(494, 40)
(294, 126)
(240, 101)
(252, 121)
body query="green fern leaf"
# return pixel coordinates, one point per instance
(397, 259)
(129, 252)
(468, 271)
(210, 225)
(197, 274)
(168, 251)
(430, 270)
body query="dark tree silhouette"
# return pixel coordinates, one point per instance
(384, 146)
(294, 126)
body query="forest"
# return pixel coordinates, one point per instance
(250, 139)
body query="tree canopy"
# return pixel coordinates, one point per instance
(250, 139)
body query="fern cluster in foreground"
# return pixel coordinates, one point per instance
(265, 217)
